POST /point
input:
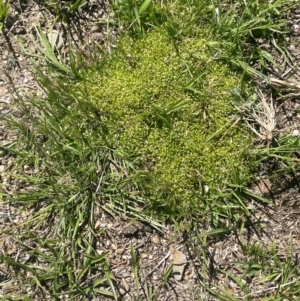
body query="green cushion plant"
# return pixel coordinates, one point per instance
(169, 109)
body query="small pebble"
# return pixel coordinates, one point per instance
(120, 251)
(94, 28)
(155, 239)
(55, 39)
(26, 167)
(232, 284)
(5, 112)
(292, 47)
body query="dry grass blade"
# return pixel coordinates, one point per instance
(285, 84)
(290, 88)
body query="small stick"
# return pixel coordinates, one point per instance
(236, 121)
(100, 181)
(163, 260)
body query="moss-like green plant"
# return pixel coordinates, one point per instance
(169, 108)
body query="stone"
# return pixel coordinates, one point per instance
(55, 39)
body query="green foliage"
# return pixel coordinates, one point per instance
(64, 10)
(4, 10)
(170, 111)
(47, 51)
(236, 28)
(137, 15)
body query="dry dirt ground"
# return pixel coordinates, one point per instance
(277, 224)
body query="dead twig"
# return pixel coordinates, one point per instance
(162, 261)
